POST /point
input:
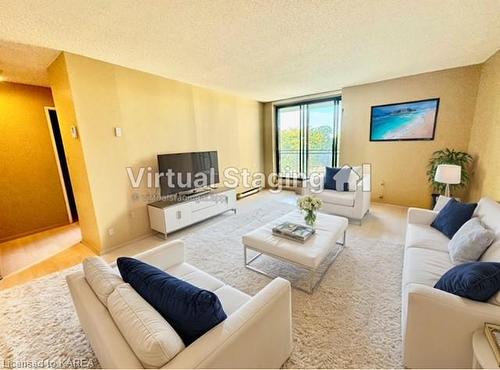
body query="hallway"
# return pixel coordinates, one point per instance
(40, 254)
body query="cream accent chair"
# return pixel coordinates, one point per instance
(353, 204)
(256, 334)
(438, 326)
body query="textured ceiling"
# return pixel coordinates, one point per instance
(264, 49)
(25, 64)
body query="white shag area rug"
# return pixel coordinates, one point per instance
(353, 319)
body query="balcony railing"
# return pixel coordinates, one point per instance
(317, 159)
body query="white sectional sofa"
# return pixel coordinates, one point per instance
(256, 334)
(438, 326)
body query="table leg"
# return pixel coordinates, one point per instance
(343, 239)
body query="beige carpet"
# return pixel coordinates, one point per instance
(351, 321)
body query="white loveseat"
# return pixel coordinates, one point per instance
(353, 204)
(256, 334)
(437, 326)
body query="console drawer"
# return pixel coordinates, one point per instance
(178, 217)
(198, 205)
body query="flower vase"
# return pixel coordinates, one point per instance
(310, 218)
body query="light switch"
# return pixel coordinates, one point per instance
(118, 131)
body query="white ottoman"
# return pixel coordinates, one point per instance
(309, 255)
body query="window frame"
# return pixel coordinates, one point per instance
(304, 133)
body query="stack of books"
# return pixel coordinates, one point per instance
(289, 230)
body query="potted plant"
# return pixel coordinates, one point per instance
(448, 156)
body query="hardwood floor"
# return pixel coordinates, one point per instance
(40, 254)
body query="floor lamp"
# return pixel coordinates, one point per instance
(448, 174)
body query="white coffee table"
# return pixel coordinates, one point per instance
(330, 233)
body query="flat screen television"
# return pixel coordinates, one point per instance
(415, 120)
(184, 172)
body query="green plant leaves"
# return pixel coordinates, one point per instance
(449, 156)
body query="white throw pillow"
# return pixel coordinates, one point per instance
(150, 336)
(440, 203)
(101, 277)
(470, 242)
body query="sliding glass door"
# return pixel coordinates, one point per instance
(308, 137)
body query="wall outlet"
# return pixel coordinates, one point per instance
(111, 231)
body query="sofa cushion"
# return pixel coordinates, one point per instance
(492, 254)
(478, 281)
(190, 310)
(194, 276)
(424, 236)
(470, 242)
(231, 298)
(424, 266)
(150, 336)
(488, 212)
(453, 215)
(495, 299)
(342, 198)
(101, 277)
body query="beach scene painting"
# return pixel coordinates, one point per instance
(404, 121)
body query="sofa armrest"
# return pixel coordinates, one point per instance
(362, 200)
(110, 347)
(439, 326)
(361, 196)
(163, 256)
(421, 216)
(257, 335)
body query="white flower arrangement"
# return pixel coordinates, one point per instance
(310, 204)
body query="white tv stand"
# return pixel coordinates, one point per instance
(166, 216)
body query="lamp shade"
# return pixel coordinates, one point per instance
(448, 174)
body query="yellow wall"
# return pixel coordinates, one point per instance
(485, 136)
(157, 115)
(61, 91)
(32, 198)
(401, 166)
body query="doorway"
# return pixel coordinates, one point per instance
(62, 163)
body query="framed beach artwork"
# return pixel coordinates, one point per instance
(415, 120)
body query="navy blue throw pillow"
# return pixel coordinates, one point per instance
(453, 215)
(329, 174)
(190, 310)
(474, 280)
(337, 178)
